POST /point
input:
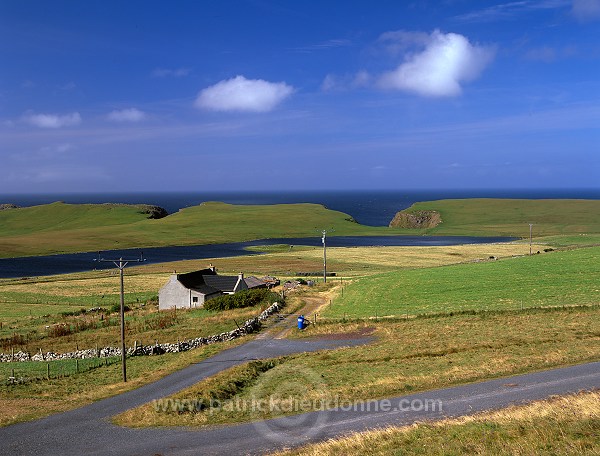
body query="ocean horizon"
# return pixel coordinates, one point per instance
(368, 207)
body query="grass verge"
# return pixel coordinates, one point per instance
(560, 425)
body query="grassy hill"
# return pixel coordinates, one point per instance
(510, 217)
(60, 227)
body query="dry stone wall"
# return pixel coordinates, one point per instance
(250, 326)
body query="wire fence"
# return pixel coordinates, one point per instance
(31, 371)
(411, 313)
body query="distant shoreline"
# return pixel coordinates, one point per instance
(367, 207)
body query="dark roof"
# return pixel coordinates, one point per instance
(194, 279)
(207, 281)
(223, 283)
(206, 290)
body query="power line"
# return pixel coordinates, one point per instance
(324, 241)
(120, 264)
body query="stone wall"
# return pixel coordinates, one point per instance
(249, 327)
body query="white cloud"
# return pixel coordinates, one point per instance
(127, 115)
(438, 70)
(586, 10)
(53, 120)
(165, 72)
(241, 94)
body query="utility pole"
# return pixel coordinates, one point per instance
(324, 240)
(121, 263)
(530, 237)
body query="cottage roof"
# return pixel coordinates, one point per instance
(207, 281)
(193, 279)
(254, 282)
(223, 283)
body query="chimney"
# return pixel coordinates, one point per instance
(241, 276)
(212, 268)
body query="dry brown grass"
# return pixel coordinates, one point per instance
(561, 425)
(72, 287)
(347, 261)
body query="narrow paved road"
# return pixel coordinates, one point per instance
(88, 430)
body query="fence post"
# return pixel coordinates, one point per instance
(76, 366)
(48, 371)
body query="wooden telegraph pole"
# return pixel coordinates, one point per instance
(120, 264)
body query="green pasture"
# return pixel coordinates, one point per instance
(549, 279)
(511, 217)
(9, 297)
(27, 371)
(59, 227)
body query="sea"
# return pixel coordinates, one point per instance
(372, 208)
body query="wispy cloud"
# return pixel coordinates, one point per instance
(510, 10)
(444, 62)
(550, 54)
(586, 10)
(44, 153)
(53, 120)
(127, 115)
(241, 94)
(329, 44)
(166, 72)
(60, 173)
(352, 81)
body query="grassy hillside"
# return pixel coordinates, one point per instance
(59, 227)
(60, 216)
(510, 217)
(550, 279)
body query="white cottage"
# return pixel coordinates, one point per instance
(191, 290)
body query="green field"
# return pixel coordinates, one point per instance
(59, 227)
(549, 279)
(30, 371)
(511, 217)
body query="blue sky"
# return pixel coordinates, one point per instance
(288, 95)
